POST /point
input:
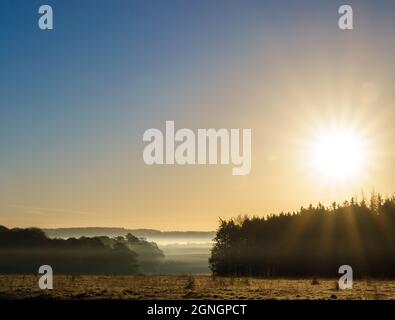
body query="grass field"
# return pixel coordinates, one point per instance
(187, 287)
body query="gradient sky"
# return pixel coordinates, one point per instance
(75, 102)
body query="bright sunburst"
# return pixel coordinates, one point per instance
(338, 154)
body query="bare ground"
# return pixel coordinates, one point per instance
(188, 287)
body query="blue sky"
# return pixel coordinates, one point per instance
(76, 100)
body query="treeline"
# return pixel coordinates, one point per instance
(23, 251)
(314, 241)
(149, 256)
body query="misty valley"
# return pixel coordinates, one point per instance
(103, 251)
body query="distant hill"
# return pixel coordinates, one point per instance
(150, 234)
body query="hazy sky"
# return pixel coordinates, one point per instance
(75, 102)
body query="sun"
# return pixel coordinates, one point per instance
(338, 154)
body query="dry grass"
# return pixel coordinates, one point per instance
(187, 287)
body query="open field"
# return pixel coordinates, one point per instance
(185, 264)
(187, 287)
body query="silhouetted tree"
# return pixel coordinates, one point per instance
(25, 250)
(313, 241)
